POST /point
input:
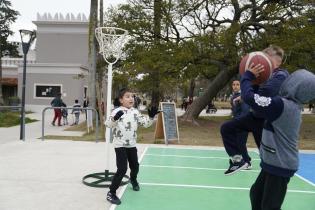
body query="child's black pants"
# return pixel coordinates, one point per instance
(123, 157)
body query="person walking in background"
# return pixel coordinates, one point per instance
(137, 101)
(57, 102)
(310, 106)
(85, 105)
(185, 104)
(76, 111)
(64, 113)
(116, 103)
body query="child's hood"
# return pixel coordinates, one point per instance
(299, 87)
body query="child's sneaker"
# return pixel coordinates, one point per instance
(135, 185)
(235, 167)
(111, 197)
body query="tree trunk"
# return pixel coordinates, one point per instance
(192, 86)
(99, 75)
(99, 101)
(101, 13)
(223, 77)
(156, 95)
(157, 20)
(1, 96)
(92, 53)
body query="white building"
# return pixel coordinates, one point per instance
(58, 65)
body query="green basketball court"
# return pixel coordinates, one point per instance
(193, 179)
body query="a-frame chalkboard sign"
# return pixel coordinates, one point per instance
(167, 125)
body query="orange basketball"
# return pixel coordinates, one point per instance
(257, 58)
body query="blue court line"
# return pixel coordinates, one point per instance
(307, 167)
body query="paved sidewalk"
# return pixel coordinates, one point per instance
(34, 130)
(38, 175)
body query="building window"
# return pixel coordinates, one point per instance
(47, 91)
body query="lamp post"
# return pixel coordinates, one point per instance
(27, 38)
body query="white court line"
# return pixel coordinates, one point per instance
(197, 157)
(194, 168)
(215, 187)
(302, 178)
(191, 147)
(305, 180)
(311, 152)
(121, 192)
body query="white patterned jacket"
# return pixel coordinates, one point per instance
(125, 129)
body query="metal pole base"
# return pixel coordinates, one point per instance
(102, 179)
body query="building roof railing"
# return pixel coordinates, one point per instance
(59, 17)
(14, 62)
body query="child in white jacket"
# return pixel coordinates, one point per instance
(124, 122)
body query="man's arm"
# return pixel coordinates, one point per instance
(244, 108)
(52, 102)
(268, 107)
(272, 86)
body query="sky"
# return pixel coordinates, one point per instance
(29, 8)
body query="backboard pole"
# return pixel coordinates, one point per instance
(108, 111)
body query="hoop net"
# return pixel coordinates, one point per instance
(111, 41)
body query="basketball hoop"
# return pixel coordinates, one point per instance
(111, 41)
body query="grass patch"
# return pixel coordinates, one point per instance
(207, 133)
(307, 133)
(222, 104)
(86, 136)
(9, 119)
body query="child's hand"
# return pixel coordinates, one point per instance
(256, 69)
(118, 115)
(237, 100)
(153, 111)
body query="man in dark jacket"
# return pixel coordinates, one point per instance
(57, 102)
(279, 146)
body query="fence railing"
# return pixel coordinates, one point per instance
(12, 108)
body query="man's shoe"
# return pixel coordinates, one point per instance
(112, 198)
(235, 167)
